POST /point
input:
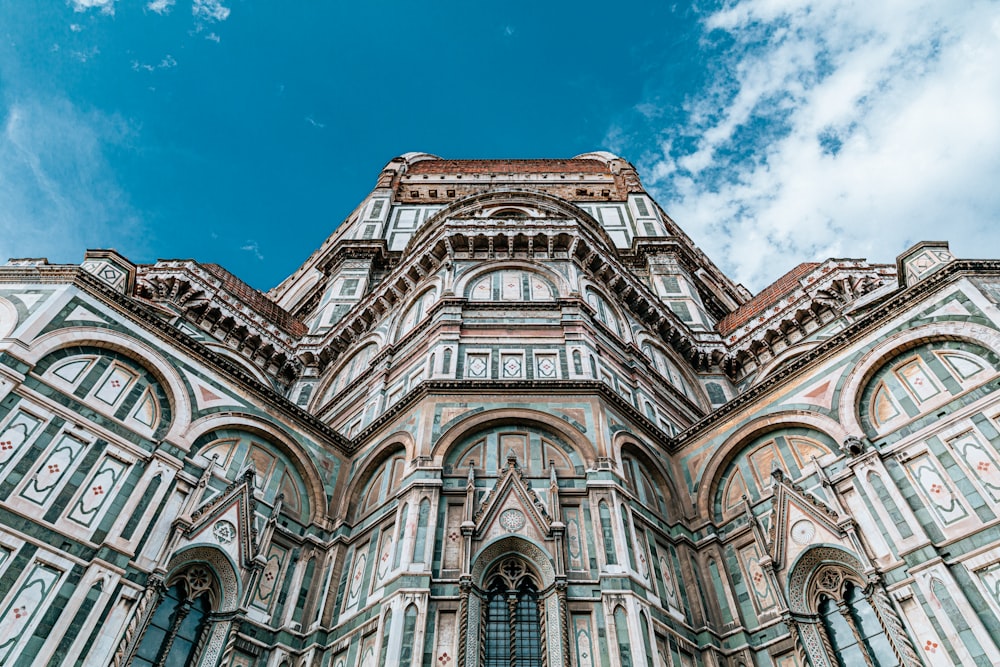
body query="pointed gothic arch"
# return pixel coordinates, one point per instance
(845, 618)
(185, 616)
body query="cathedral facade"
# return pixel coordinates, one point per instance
(506, 415)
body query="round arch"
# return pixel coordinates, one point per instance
(733, 444)
(624, 440)
(782, 358)
(370, 462)
(136, 350)
(545, 203)
(320, 396)
(884, 351)
(276, 436)
(699, 397)
(395, 332)
(803, 570)
(504, 416)
(624, 327)
(240, 361)
(557, 280)
(8, 317)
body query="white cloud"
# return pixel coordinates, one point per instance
(209, 10)
(253, 248)
(104, 6)
(58, 191)
(160, 6)
(839, 128)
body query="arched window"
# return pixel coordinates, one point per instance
(399, 535)
(420, 543)
(386, 626)
(512, 618)
(382, 484)
(852, 627)
(409, 630)
(604, 313)
(607, 533)
(171, 637)
(621, 633)
(644, 622)
(642, 485)
(629, 546)
(416, 313)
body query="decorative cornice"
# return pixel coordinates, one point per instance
(888, 309)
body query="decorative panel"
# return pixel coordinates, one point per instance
(757, 581)
(917, 380)
(938, 494)
(53, 470)
(510, 286)
(583, 640)
(145, 411)
(269, 577)
(25, 607)
(357, 577)
(16, 437)
(97, 492)
(385, 551)
(444, 651)
(452, 559)
(511, 365)
(981, 459)
(477, 365)
(114, 384)
(574, 538)
(546, 366)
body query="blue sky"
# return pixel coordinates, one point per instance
(242, 132)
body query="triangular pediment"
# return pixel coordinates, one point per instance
(512, 507)
(226, 521)
(798, 520)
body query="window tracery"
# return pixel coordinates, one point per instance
(512, 617)
(853, 632)
(182, 616)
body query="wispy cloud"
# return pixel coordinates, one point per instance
(253, 248)
(57, 188)
(160, 6)
(315, 123)
(167, 62)
(103, 6)
(209, 10)
(835, 128)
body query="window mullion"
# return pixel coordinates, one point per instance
(512, 616)
(175, 626)
(849, 619)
